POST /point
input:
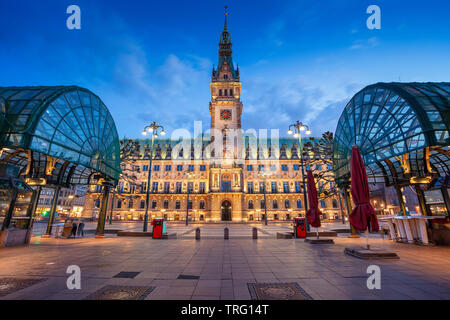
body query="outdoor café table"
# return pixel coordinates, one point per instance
(389, 222)
(419, 222)
(410, 229)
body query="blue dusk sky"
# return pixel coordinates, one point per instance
(152, 60)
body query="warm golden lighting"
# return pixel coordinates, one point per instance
(36, 182)
(420, 180)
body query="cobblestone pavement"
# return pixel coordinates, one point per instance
(208, 231)
(224, 267)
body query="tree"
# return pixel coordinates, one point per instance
(320, 152)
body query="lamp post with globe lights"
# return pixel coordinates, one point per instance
(189, 176)
(296, 130)
(152, 129)
(265, 174)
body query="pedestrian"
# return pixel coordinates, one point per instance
(81, 229)
(74, 230)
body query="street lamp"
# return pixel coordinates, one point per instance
(189, 175)
(112, 205)
(296, 129)
(265, 174)
(153, 129)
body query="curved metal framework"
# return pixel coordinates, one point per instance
(402, 130)
(64, 134)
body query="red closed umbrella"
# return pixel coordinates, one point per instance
(313, 214)
(363, 216)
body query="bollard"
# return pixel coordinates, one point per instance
(255, 233)
(197, 234)
(226, 233)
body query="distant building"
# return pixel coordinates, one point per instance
(70, 201)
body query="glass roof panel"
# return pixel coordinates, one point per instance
(66, 122)
(387, 120)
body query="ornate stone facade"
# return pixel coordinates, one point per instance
(224, 179)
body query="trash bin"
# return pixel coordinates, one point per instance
(299, 227)
(159, 227)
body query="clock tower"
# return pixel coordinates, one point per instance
(225, 107)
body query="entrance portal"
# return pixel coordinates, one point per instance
(226, 211)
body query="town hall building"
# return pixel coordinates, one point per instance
(226, 174)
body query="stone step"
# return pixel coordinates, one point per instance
(364, 253)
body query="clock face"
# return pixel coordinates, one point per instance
(225, 114)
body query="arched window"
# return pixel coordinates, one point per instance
(287, 204)
(322, 203)
(335, 203)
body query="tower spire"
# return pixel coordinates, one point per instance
(225, 28)
(225, 50)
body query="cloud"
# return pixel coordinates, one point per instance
(176, 93)
(140, 92)
(365, 43)
(278, 103)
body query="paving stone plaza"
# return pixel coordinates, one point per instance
(220, 269)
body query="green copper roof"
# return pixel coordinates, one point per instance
(282, 148)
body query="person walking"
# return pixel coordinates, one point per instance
(81, 229)
(74, 229)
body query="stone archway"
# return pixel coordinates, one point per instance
(226, 210)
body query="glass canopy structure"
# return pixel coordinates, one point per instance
(402, 131)
(63, 134)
